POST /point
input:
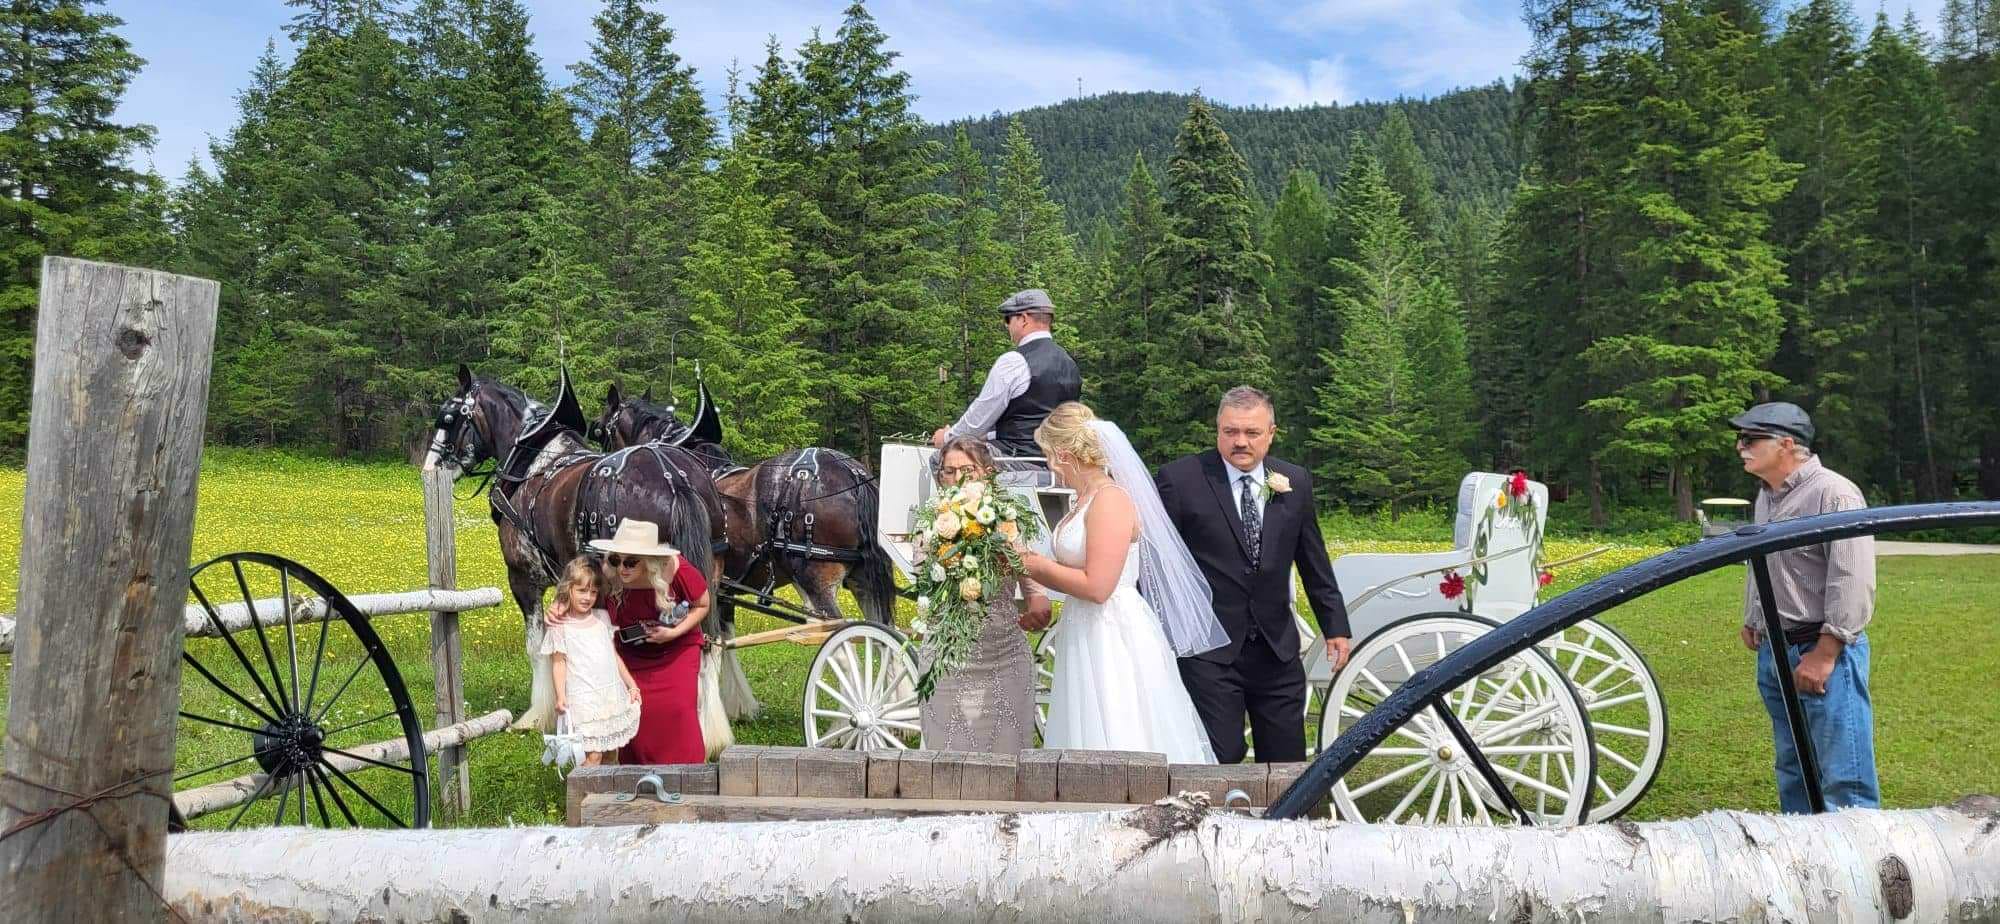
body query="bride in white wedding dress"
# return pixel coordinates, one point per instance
(1117, 685)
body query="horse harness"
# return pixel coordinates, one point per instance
(788, 527)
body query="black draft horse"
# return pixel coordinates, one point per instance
(806, 516)
(553, 494)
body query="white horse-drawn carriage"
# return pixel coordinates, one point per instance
(1574, 729)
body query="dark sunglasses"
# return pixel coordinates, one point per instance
(1745, 439)
(621, 561)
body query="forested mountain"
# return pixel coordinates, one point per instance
(1087, 144)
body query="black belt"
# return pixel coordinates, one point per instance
(1804, 633)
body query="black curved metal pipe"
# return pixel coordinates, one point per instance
(1626, 584)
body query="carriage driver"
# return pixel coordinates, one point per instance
(1025, 384)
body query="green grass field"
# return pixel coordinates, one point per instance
(361, 526)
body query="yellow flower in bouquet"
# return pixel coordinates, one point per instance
(966, 551)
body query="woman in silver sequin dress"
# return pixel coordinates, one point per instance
(987, 705)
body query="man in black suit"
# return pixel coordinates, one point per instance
(1248, 518)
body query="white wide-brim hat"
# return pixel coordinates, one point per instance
(635, 537)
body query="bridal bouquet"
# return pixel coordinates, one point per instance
(965, 549)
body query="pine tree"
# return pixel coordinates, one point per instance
(1559, 263)
(649, 138)
(1206, 333)
(1979, 322)
(1120, 329)
(977, 275)
(860, 237)
(1393, 417)
(1908, 154)
(749, 315)
(1031, 227)
(1703, 321)
(332, 214)
(1303, 324)
(251, 393)
(1971, 29)
(66, 187)
(555, 313)
(1410, 176)
(1830, 334)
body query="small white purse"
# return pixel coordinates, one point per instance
(562, 750)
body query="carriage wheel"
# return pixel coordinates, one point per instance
(1522, 714)
(1045, 679)
(1628, 713)
(286, 710)
(861, 691)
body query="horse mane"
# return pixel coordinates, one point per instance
(648, 411)
(514, 398)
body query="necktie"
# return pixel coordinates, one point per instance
(1253, 522)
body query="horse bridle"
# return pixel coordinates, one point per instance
(445, 439)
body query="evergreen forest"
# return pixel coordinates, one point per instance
(1676, 209)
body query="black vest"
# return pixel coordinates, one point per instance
(1052, 379)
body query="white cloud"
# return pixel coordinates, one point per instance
(1321, 81)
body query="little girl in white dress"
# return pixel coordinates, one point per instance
(595, 694)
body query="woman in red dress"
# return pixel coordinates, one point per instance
(647, 578)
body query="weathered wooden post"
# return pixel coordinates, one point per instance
(114, 445)
(454, 789)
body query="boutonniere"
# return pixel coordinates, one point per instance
(1275, 484)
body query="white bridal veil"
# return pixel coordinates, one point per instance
(1168, 577)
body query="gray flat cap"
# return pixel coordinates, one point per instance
(1027, 300)
(1780, 417)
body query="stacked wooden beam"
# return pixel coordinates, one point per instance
(758, 783)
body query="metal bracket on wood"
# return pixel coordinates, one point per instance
(658, 786)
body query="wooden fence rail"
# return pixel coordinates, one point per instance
(270, 610)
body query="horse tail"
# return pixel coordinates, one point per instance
(692, 532)
(873, 581)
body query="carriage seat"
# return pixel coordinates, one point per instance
(1380, 588)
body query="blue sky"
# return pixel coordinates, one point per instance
(965, 58)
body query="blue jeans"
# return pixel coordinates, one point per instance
(1841, 723)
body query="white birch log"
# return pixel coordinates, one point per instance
(228, 794)
(270, 610)
(1158, 863)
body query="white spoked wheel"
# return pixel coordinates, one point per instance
(1045, 679)
(861, 691)
(1628, 714)
(1522, 714)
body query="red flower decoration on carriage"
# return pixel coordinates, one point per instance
(1453, 586)
(1518, 485)
(1546, 578)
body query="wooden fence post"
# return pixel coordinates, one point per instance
(114, 447)
(453, 795)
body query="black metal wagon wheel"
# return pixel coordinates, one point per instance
(301, 717)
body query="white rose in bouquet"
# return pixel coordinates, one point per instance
(920, 627)
(972, 491)
(984, 514)
(923, 606)
(937, 572)
(946, 525)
